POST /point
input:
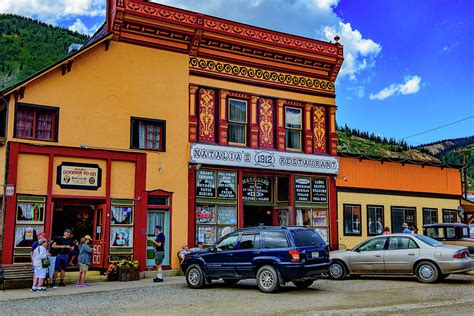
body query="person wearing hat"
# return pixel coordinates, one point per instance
(159, 243)
(84, 260)
(406, 229)
(37, 257)
(35, 244)
(62, 247)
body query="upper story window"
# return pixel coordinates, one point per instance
(238, 122)
(293, 128)
(36, 122)
(148, 134)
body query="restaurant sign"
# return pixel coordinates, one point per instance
(262, 159)
(82, 176)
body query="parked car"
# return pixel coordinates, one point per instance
(271, 255)
(428, 259)
(456, 234)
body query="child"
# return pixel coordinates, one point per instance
(39, 254)
(84, 260)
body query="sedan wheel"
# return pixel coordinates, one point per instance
(427, 272)
(195, 277)
(267, 279)
(337, 271)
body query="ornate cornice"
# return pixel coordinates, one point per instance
(257, 75)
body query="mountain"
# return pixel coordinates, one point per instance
(27, 46)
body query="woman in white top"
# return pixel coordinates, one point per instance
(39, 254)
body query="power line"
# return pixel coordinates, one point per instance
(440, 127)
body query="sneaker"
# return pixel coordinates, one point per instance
(157, 280)
(62, 284)
(77, 284)
(54, 286)
(43, 288)
(33, 290)
(40, 290)
(85, 285)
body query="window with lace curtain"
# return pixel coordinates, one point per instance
(36, 122)
(293, 128)
(148, 134)
(237, 117)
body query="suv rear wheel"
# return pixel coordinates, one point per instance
(267, 279)
(195, 277)
(303, 284)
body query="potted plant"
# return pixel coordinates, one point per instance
(112, 272)
(128, 270)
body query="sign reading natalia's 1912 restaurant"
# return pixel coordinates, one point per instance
(262, 159)
(82, 176)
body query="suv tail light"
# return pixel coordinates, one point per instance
(461, 254)
(295, 255)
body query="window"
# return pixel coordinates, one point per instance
(228, 243)
(307, 237)
(275, 240)
(293, 126)
(430, 216)
(249, 241)
(148, 134)
(283, 184)
(36, 122)
(402, 215)
(449, 216)
(317, 219)
(375, 244)
(375, 220)
(397, 243)
(352, 217)
(237, 122)
(429, 241)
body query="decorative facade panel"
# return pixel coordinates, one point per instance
(266, 125)
(319, 129)
(207, 116)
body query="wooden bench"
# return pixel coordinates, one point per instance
(15, 272)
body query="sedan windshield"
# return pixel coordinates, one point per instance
(429, 241)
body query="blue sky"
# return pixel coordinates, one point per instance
(408, 64)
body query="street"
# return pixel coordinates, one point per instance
(366, 295)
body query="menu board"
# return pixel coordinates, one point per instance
(227, 215)
(263, 189)
(302, 189)
(320, 190)
(205, 183)
(226, 185)
(248, 188)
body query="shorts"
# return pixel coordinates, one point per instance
(40, 272)
(83, 267)
(62, 262)
(159, 257)
(52, 266)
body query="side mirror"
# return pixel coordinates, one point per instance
(212, 249)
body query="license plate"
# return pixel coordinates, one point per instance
(315, 255)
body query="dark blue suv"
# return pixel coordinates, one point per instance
(271, 255)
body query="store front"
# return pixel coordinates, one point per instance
(227, 198)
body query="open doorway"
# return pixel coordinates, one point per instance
(258, 215)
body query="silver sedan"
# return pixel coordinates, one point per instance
(429, 260)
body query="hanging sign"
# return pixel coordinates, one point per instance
(205, 183)
(226, 185)
(262, 159)
(320, 190)
(82, 176)
(302, 189)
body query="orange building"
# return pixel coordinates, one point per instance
(374, 193)
(171, 117)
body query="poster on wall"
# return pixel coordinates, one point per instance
(26, 235)
(323, 232)
(320, 218)
(302, 189)
(248, 188)
(206, 234)
(263, 189)
(320, 190)
(30, 212)
(206, 214)
(226, 185)
(227, 215)
(205, 183)
(80, 176)
(121, 236)
(121, 215)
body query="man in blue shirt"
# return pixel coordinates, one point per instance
(406, 229)
(159, 252)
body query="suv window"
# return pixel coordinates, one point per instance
(275, 240)
(397, 243)
(375, 244)
(307, 237)
(228, 243)
(249, 241)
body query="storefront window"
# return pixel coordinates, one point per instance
(256, 188)
(237, 121)
(311, 190)
(293, 126)
(430, 216)
(352, 220)
(402, 215)
(316, 219)
(283, 185)
(449, 216)
(375, 220)
(214, 222)
(121, 226)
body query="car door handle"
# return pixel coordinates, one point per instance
(378, 256)
(411, 254)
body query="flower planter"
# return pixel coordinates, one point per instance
(128, 275)
(113, 276)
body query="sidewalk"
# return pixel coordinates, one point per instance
(70, 289)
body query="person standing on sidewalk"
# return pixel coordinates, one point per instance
(62, 245)
(84, 260)
(159, 252)
(39, 254)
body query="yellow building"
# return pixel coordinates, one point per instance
(171, 117)
(378, 193)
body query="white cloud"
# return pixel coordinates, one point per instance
(80, 27)
(410, 86)
(52, 11)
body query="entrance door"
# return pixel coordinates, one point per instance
(281, 217)
(162, 218)
(98, 240)
(257, 215)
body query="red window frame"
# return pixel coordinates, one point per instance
(34, 112)
(135, 133)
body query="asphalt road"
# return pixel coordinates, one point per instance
(367, 295)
